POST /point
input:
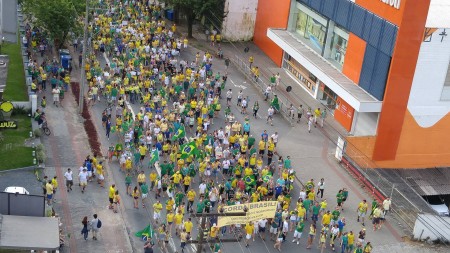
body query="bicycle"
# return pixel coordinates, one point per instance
(45, 129)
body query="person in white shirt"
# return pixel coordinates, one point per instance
(270, 113)
(83, 177)
(202, 188)
(262, 228)
(386, 205)
(69, 179)
(274, 138)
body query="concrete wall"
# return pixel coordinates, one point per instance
(239, 23)
(8, 20)
(365, 124)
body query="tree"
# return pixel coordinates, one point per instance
(198, 8)
(56, 17)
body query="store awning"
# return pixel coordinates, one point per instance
(345, 88)
(28, 233)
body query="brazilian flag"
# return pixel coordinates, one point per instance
(181, 133)
(113, 129)
(250, 180)
(155, 157)
(147, 232)
(267, 177)
(189, 149)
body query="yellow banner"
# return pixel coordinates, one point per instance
(256, 211)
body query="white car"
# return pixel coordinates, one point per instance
(441, 209)
(16, 189)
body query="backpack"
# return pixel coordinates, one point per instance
(99, 223)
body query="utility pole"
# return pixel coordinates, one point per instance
(201, 240)
(83, 61)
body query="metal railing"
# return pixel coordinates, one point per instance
(261, 85)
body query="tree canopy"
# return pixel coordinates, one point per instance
(56, 17)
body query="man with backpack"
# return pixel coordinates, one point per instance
(96, 224)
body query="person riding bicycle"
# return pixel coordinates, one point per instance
(39, 117)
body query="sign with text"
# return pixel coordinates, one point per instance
(8, 124)
(393, 3)
(255, 211)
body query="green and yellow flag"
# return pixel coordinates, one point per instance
(155, 157)
(189, 149)
(250, 180)
(267, 177)
(181, 133)
(147, 232)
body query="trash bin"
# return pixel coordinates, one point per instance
(170, 15)
(66, 61)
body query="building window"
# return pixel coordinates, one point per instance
(338, 46)
(312, 28)
(306, 78)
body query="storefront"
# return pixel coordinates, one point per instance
(302, 75)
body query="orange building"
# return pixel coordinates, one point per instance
(381, 67)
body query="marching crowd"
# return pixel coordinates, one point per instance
(172, 144)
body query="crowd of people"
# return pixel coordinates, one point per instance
(173, 139)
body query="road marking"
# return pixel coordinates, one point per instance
(238, 86)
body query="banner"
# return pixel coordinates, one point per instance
(256, 211)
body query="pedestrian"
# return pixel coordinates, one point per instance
(148, 246)
(280, 239)
(85, 230)
(248, 233)
(49, 190)
(362, 211)
(344, 243)
(300, 112)
(255, 109)
(184, 237)
(323, 115)
(310, 123)
(322, 241)
(95, 226)
(298, 231)
(311, 235)
(83, 178)
(368, 248)
(135, 194)
(262, 228)
(387, 205)
(321, 187)
(112, 191)
(55, 93)
(69, 179)
(351, 241)
(270, 113)
(116, 201)
(339, 199)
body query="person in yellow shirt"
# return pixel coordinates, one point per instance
(112, 190)
(191, 198)
(186, 181)
(178, 219)
(249, 233)
(362, 210)
(169, 204)
(188, 225)
(152, 178)
(248, 171)
(311, 195)
(261, 147)
(49, 191)
(157, 207)
(169, 218)
(100, 176)
(55, 183)
(326, 219)
(177, 178)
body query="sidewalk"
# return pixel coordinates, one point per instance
(67, 147)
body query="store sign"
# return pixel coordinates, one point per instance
(393, 3)
(8, 124)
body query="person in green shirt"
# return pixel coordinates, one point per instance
(200, 206)
(144, 192)
(315, 212)
(250, 141)
(128, 183)
(335, 216)
(217, 248)
(339, 198)
(307, 206)
(298, 231)
(179, 196)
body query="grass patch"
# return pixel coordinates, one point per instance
(16, 88)
(13, 152)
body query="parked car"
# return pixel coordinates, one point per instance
(441, 209)
(16, 190)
